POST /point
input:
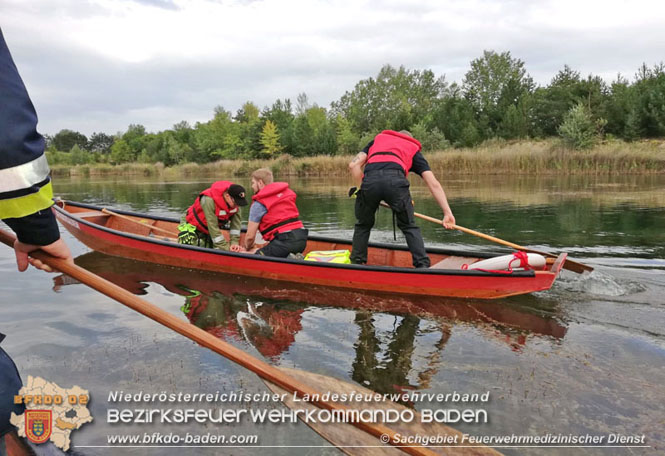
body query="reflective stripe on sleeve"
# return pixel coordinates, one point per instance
(26, 205)
(218, 239)
(24, 176)
(234, 232)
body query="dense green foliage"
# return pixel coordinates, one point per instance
(497, 99)
(578, 130)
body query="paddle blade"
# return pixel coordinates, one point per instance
(356, 442)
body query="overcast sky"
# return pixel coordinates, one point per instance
(100, 65)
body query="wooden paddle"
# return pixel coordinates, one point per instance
(267, 372)
(569, 264)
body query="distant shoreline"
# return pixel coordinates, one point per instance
(493, 157)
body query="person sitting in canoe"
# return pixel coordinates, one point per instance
(275, 215)
(387, 160)
(216, 206)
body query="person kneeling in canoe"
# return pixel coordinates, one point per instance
(216, 206)
(275, 215)
(387, 160)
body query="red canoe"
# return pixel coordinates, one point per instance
(154, 239)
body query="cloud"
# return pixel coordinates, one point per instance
(103, 64)
(166, 4)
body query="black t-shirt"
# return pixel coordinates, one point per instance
(419, 164)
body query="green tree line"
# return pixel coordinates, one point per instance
(496, 99)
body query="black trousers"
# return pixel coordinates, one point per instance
(392, 187)
(294, 241)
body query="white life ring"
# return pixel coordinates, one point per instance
(510, 262)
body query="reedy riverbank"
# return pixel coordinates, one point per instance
(491, 157)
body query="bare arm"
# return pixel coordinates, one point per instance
(256, 213)
(356, 167)
(250, 235)
(440, 196)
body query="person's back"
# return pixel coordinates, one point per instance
(386, 162)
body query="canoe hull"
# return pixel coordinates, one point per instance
(448, 283)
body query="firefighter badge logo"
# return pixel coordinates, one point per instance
(51, 413)
(38, 425)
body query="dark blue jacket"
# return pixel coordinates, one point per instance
(25, 185)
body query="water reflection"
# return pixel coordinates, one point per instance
(390, 372)
(269, 315)
(270, 327)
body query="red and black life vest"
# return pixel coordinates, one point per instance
(195, 214)
(282, 215)
(394, 147)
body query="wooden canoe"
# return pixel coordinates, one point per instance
(154, 239)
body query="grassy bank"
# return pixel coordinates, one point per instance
(493, 157)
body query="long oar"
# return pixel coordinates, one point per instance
(569, 264)
(262, 369)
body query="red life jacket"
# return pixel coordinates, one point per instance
(394, 147)
(195, 214)
(282, 215)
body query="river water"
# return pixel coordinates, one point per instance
(586, 357)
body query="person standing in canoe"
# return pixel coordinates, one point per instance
(274, 213)
(216, 206)
(387, 160)
(25, 200)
